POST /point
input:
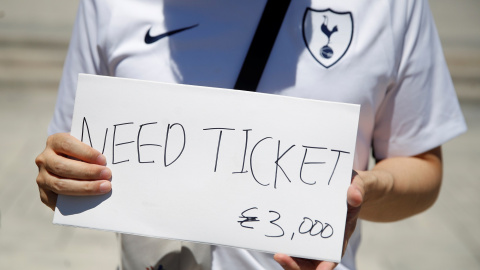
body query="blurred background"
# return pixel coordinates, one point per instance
(34, 36)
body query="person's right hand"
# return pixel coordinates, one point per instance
(68, 166)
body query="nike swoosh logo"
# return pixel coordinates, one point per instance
(149, 39)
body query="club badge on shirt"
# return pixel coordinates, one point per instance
(327, 34)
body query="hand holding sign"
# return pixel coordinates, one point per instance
(355, 197)
(196, 163)
(57, 174)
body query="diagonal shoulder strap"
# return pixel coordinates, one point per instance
(262, 44)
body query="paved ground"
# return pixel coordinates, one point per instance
(33, 40)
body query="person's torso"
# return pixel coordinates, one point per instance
(342, 51)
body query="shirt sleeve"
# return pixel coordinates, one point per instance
(84, 56)
(420, 110)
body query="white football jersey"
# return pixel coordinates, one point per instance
(382, 54)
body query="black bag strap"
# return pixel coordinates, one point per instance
(262, 45)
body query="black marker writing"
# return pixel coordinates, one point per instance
(85, 125)
(219, 142)
(307, 225)
(306, 163)
(251, 161)
(278, 166)
(248, 218)
(244, 152)
(261, 155)
(314, 229)
(104, 140)
(338, 157)
(142, 145)
(169, 127)
(118, 144)
(273, 223)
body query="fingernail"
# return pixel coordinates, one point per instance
(101, 159)
(105, 174)
(105, 187)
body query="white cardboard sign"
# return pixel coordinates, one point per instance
(250, 170)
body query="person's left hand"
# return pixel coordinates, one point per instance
(355, 198)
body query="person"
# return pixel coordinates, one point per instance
(384, 55)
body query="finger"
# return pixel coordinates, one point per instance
(52, 183)
(81, 188)
(65, 144)
(355, 198)
(307, 264)
(67, 168)
(356, 192)
(354, 173)
(326, 266)
(48, 198)
(287, 262)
